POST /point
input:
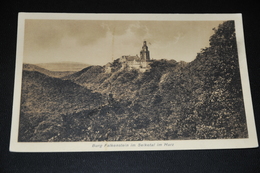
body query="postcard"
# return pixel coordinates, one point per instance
(131, 82)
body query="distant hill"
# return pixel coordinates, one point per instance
(63, 66)
(57, 74)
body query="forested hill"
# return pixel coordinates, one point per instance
(44, 99)
(173, 100)
(210, 88)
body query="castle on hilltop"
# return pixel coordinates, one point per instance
(134, 62)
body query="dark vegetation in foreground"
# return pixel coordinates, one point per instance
(174, 100)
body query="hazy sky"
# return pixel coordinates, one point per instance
(98, 42)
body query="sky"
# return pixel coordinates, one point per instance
(98, 42)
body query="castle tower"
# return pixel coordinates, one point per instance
(144, 53)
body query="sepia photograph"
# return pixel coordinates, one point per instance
(128, 82)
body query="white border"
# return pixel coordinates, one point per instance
(250, 142)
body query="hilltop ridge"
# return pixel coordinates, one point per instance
(63, 66)
(56, 74)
